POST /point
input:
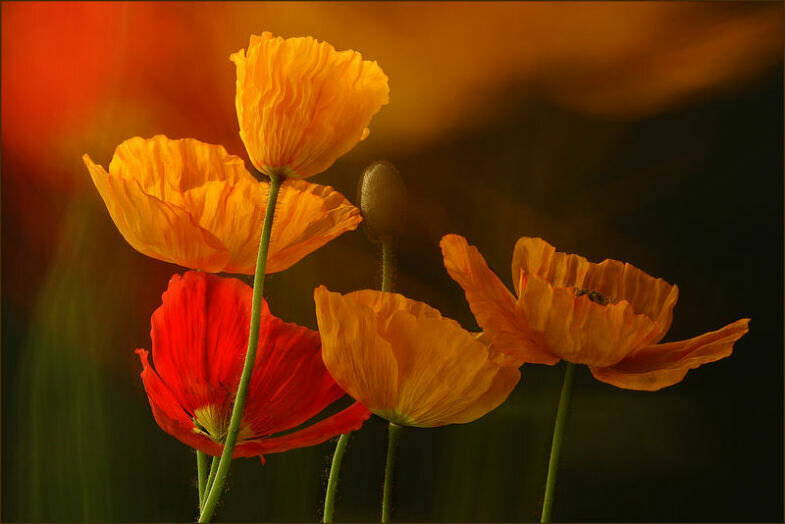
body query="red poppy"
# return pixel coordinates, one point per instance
(200, 336)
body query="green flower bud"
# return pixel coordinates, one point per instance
(381, 194)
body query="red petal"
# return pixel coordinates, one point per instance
(349, 419)
(200, 335)
(168, 412)
(290, 384)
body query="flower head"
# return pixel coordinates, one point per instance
(301, 104)
(407, 363)
(200, 336)
(608, 316)
(193, 204)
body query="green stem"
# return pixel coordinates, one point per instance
(250, 356)
(210, 479)
(332, 481)
(387, 264)
(558, 434)
(392, 444)
(201, 471)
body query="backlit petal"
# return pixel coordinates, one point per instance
(301, 104)
(616, 280)
(657, 366)
(349, 419)
(492, 303)
(154, 227)
(357, 357)
(577, 329)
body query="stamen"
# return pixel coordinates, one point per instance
(594, 296)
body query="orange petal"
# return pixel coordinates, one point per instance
(360, 361)
(301, 104)
(657, 366)
(576, 329)
(616, 280)
(205, 211)
(154, 227)
(445, 373)
(492, 304)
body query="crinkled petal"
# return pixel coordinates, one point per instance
(492, 303)
(616, 280)
(357, 357)
(578, 330)
(657, 366)
(154, 227)
(301, 104)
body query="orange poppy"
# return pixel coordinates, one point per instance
(301, 104)
(193, 204)
(406, 363)
(609, 316)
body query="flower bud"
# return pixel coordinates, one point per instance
(381, 196)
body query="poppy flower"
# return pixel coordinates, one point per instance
(200, 336)
(193, 204)
(609, 316)
(301, 104)
(407, 363)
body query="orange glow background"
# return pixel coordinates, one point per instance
(80, 77)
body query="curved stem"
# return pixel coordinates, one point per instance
(332, 482)
(210, 479)
(392, 444)
(558, 433)
(201, 471)
(250, 355)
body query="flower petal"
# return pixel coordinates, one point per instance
(657, 366)
(445, 373)
(301, 104)
(616, 280)
(169, 413)
(200, 336)
(578, 330)
(349, 419)
(290, 383)
(154, 227)
(357, 357)
(491, 302)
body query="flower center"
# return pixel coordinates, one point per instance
(212, 421)
(594, 296)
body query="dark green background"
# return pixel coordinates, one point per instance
(693, 195)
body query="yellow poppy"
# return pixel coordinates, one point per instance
(608, 316)
(408, 364)
(193, 204)
(301, 104)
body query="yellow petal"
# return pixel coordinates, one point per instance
(406, 362)
(357, 357)
(156, 228)
(205, 210)
(657, 366)
(301, 104)
(492, 304)
(616, 280)
(578, 330)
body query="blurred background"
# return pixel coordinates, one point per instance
(646, 132)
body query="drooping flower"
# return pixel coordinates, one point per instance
(301, 104)
(193, 204)
(407, 363)
(609, 316)
(200, 336)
